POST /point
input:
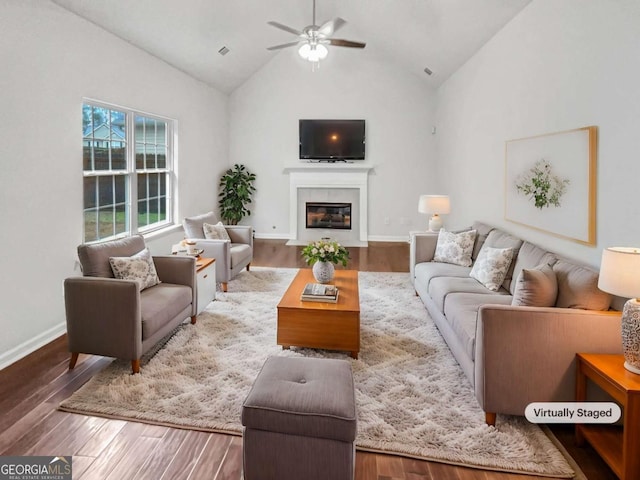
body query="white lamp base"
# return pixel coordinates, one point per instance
(435, 223)
(631, 335)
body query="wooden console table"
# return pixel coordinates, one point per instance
(619, 447)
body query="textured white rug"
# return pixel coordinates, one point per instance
(412, 397)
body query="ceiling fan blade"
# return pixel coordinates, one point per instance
(331, 26)
(285, 28)
(284, 45)
(345, 43)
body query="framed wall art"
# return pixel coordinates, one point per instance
(550, 183)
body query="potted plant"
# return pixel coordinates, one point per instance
(322, 255)
(236, 189)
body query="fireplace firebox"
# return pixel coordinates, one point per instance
(328, 215)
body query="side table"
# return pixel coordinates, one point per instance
(206, 282)
(618, 447)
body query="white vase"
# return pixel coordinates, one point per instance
(323, 271)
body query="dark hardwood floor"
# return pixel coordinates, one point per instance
(30, 424)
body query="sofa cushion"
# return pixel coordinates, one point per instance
(461, 311)
(537, 287)
(94, 257)
(193, 226)
(441, 287)
(425, 271)
(499, 239)
(483, 230)
(159, 304)
(138, 267)
(215, 232)
(491, 266)
(578, 287)
(531, 256)
(455, 248)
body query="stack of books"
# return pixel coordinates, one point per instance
(317, 292)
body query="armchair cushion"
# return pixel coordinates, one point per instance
(193, 226)
(139, 267)
(160, 304)
(239, 253)
(216, 232)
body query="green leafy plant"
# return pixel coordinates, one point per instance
(325, 251)
(541, 185)
(236, 188)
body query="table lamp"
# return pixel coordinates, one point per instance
(434, 205)
(620, 275)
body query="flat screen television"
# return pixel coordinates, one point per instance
(332, 140)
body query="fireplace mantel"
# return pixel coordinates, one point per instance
(328, 176)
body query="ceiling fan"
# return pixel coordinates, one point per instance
(313, 38)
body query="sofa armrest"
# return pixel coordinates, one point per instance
(527, 354)
(240, 234)
(103, 316)
(422, 248)
(177, 269)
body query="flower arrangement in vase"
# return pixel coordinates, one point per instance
(322, 255)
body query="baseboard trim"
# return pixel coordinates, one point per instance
(32, 345)
(272, 236)
(389, 238)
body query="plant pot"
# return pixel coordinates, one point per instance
(323, 272)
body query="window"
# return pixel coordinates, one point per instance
(126, 155)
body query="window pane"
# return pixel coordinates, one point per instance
(139, 124)
(150, 130)
(106, 222)
(121, 218)
(105, 191)
(142, 186)
(87, 154)
(121, 189)
(101, 155)
(153, 185)
(139, 156)
(162, 185)
(161, 157)
(90, 224)
(162, 214)
(90, 190)
(143, 219)
(161, 133)
(118, 158)
(150, 156)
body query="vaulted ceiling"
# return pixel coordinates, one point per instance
(440, 35)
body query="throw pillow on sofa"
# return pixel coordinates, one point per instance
(492, 266)
(139, 267)
(215, 232)
(455, 248)
(536, 287)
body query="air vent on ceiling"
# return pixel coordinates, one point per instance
(427, 71)
(223, 51)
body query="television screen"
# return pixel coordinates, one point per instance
(332, 139)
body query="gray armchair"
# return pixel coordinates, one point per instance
(231, 257)
(111, 317)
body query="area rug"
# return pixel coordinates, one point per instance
(412, 397)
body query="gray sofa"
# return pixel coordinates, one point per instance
(514, 355)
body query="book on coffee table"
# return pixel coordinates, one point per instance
(317, 292)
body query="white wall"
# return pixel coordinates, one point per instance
(397, 106)
(51, 60)
(556, 66)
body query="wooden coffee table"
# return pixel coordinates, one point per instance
(330, 326)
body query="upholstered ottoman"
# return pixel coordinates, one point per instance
(300, 421)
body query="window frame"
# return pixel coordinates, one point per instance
(131, 173)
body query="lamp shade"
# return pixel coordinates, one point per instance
(620, 272)
(434, 204)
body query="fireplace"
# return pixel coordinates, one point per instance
(328, 215)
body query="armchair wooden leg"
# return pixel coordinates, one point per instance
(135, 366)
(73, 360)
(490, 418)
(248, 265)
(193, 320)
(224, 286)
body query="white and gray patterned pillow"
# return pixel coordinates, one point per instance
(491, 266)
(215, 232)
(455, 248)
(139, 267)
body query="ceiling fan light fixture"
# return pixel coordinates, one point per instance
(313, 53)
